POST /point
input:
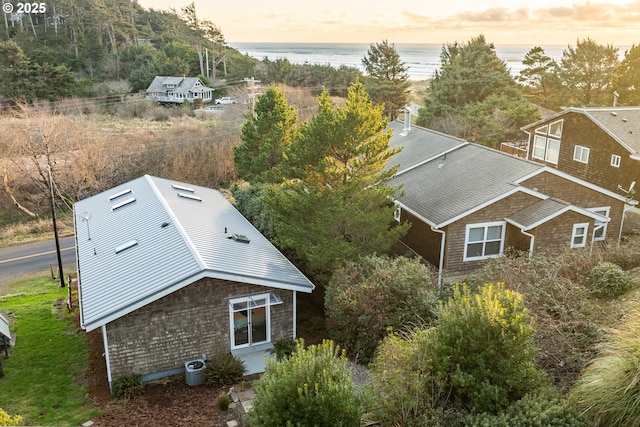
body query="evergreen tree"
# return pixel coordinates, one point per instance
(338, 207)
(473, 96)
(540, 78)
(469, 73)
(265, 137)
(588, 70)
(627, 77)
(387, 77)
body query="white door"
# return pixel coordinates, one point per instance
(249, 318)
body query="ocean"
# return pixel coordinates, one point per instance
(421, 59)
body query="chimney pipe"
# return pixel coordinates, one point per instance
(407, 121)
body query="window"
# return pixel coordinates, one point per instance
(600, 227)
(484, 241)
(581, 154)
(555, 129)
(250, 319)
(545, 145)
(615, 161)
(579, 235)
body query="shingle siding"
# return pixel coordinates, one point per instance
(184, 325)
(579, 129)
(582, 196)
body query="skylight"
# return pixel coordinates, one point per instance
(240, 238)
(183, 188)
(126, 245)
(123, 203)
(190, 196)
(122, 193)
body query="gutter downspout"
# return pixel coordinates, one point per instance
(442, 248)
(532, 240)
(624, 214)
(295, 308)
(106, 355)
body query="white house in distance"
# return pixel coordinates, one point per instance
(178, 90)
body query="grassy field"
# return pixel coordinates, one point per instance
(44, 374)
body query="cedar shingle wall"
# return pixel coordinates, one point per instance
(578, 195)
(184, 325)
(579, 130)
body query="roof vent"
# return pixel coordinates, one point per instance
(189, 196)
(613, 113)
(123, 203)
(624, 120)
(240, 238)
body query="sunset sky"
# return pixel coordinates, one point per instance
(541, 22)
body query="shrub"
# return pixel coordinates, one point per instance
(609, 279)
(283, 348)
(367, 298)
(128, 386)
(314, 387)
(223, 369)
(484, 344)
(405, 389)
(8, 420)
(223, 401)
(609, 392)
(545, 408)
(567, 320)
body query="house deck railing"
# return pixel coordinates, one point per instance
(518, 149)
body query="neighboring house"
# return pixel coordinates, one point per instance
(170, 272)
(599, 145)
(468, 203)
(177, 90)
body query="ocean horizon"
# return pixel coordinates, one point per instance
(422, 59)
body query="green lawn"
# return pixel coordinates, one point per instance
(44, 374)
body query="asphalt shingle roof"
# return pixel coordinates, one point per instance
(455, 183)
(538, 213)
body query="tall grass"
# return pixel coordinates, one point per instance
(44, 375)
(609, 390)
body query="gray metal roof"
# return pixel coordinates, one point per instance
(622, 123)
(179, 240)
(454, 184)
(4, 327)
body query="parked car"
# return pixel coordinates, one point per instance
(226, 100)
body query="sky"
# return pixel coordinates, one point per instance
(532, 22)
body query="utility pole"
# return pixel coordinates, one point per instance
(252, 93)
(55, 227)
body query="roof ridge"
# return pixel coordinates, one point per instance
(176, 222)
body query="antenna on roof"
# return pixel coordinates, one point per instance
(631, 190)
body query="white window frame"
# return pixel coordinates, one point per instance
(269, 298)
(545, 136)
(600, 225)
(484, 225)
(581, 154)
(615, 160)
(574, 235)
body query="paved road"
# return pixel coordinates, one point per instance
(33, 259)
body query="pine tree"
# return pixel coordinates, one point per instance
(387, 78)
(337, 205)
(266, 135)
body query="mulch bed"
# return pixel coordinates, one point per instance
(167, 402)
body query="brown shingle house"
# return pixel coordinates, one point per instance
(599, 145)
(169, 272)
(468, 203)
